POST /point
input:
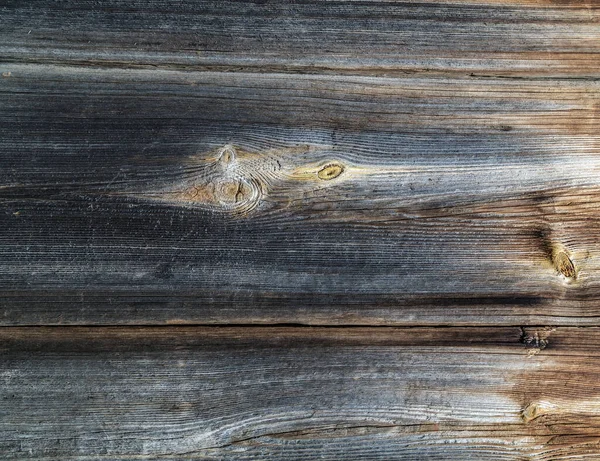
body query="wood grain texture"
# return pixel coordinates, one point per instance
(418, 180)
(299, 393)
(485, 37)
(138, 196)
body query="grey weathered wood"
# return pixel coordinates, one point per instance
(299, 393)
(449, 200)
(409, 163)
(484, 37)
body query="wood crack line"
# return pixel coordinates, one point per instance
(313, 431)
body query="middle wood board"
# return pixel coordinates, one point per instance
(138, 196)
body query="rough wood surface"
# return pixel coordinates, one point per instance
(418, 178)
(138, 196)
(485, 37)
(299, 393)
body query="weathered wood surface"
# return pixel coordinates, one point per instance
(223, 167)
(138, 196)
(392, 163)
(485, 37)
(299, 393)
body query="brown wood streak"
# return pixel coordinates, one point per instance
(278, 392)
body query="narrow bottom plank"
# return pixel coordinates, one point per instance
(282, 393)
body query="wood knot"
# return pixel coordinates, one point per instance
(564, 265)
(536, 409)
(227, 155)
(236, 193)
(535, 339)
(557, 254)
(330, 171)
(223, 183)
(237, 181)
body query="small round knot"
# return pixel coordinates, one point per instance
(564, 265)
(227, 155)
(330, 171)
(237, 194)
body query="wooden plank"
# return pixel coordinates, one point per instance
(484, 37)
(136, 196)
(299, 393)
(336, 163)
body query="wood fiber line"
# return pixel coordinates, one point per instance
(288, 393)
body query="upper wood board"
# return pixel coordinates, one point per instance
(482, 37)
